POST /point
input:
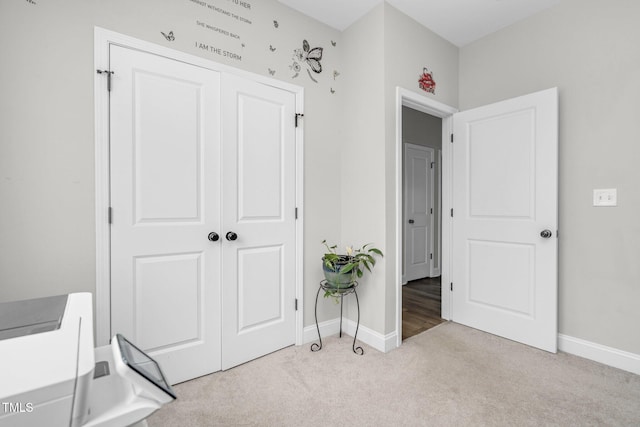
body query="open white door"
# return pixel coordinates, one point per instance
(165, 192)
(258, 167)
(504, 244)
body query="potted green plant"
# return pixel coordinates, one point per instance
(341, 270)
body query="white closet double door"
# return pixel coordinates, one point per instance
(203, 213)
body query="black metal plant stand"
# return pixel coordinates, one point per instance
(351, 289)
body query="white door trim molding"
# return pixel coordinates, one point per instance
(437, 225)
(102, 40)
(426, 105)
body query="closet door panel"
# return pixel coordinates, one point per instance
(165, 198)
(259, 206)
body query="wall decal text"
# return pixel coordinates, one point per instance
(218, 51)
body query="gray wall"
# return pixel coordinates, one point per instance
(47, 195)
(589, 50)
(383, 50)
(47, 191)
(362, 157)
(409, 47)
(421, 129)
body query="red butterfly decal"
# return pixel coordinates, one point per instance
(426, 82)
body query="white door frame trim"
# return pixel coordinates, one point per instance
(437, 226)
(426, 105)
(102, 40)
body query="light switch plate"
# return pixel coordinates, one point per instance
(605, 197)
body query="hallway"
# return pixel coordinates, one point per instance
(421, 306)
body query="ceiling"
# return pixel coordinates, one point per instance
(459, 21)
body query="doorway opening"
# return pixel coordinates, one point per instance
(409, 103)
(421, 225)
(421, 306)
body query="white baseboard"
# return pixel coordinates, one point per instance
(327, 328)
(599, 353)
(383, 343)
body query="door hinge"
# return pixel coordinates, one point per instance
(298, 115)
(452, 138)
(110, 215)
(296, 304)
(296, 213)
(431, 211)
(451, 212)
(432, 163)
(108, 74)
(451, 287)
(430, 256)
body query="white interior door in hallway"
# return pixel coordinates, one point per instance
(203, 200)
(505, 218)
(418, 196)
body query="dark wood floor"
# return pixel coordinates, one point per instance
(421, 304)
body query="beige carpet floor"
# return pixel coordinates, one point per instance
(450, 375)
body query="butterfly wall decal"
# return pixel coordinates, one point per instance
(312, 56)
(308, 56)
(170, 37)
(310, 76)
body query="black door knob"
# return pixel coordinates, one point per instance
(213, 236)
(231, 236)
(545, 234)
(411, 221)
